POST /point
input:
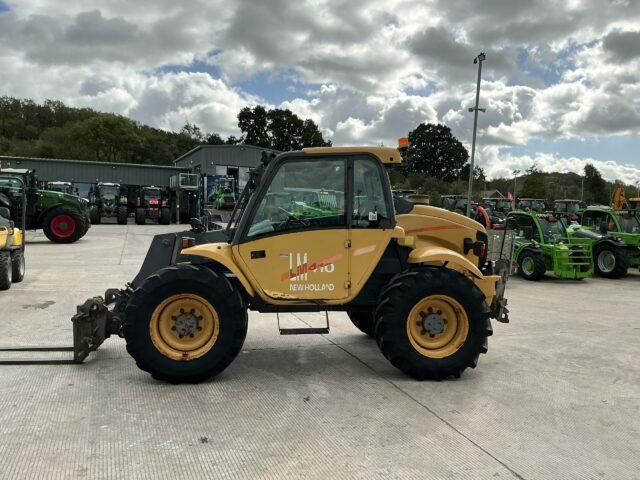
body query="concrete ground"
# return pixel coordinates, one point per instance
(557, 395)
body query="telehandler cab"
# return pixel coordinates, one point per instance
(415, 277)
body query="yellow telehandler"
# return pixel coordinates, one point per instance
(317, 231)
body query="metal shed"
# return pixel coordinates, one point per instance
(225, 160)
(49, 169)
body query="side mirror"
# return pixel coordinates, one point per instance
(4, 212)
(603, 228)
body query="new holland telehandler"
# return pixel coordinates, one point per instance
(416, 277)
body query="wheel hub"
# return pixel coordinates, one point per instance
(186, 324)
(437, 326)
(433, 323)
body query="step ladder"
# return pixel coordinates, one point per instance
(304, 330)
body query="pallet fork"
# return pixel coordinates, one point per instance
(93, 323)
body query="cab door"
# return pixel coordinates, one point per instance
(295, 243)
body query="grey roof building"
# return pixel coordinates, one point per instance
(227, 160)
(52, 169)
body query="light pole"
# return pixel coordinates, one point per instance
(515, 184)
(479, 59)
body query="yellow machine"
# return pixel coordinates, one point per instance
(12, 207)
(315, 230)
(620, 202)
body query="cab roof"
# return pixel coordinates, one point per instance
(384, 154)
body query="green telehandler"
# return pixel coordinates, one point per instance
(542, 244)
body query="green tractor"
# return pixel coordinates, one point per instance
(108, 201)
(542, 244)
(62, 217)
(223, 195)
(622, 228)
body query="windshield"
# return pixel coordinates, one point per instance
(151, 194)
(535, 205)
(552, 230)
(629, 222)
(109, 189)
(10, 182)
(60, 187)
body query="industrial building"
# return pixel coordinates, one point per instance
(223, 160)
(186, 179)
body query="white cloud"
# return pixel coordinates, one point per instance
(370, 71)
(497, 163)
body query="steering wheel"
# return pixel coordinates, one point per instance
(291, 216)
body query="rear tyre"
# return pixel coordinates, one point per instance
(165, 216)
(432, 323)
(531, 265)
(5, 271)
(610, 261)
(122, 215)
(18, 266)
(140, 216)
(185, 324)
(363, 321)
(64, 225)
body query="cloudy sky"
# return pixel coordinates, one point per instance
(561, 82)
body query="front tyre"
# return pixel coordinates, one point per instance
(5, 270)
(185, 324)
(432, 323)
(123, 213)
(140, 216)
(18, 266)
(610, 261)
(531, 265)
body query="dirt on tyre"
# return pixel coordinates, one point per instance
(63, 225)
(610, 261)
(185, 324)
(140, 216)
(531, 265)
(5, 271)
(123, 213)
(18, 266)
(363, 321)
(432, 323)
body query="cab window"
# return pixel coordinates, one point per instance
(593, 221)
(303, 194)
(526, 228)
(370, 208)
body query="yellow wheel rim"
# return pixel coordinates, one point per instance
(184, 326)
(437, 326)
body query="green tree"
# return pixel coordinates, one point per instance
(214, 139)
(278, 129)
(253, 124)
(533, 185)
(595, 187)
(434, 151)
